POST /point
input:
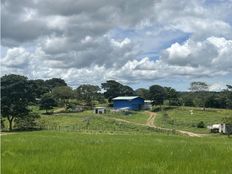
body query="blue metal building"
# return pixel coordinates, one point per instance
(128, 102)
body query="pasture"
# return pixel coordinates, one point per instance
(87, 120)
(86, 143)
(47, 152)
(182, 119)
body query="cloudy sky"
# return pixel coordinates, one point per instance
(137, 42)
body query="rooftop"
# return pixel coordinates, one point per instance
(125, 97)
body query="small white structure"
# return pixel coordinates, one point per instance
(220, 128)
(147, 104)
(99, 110)
(214, 128)
(225, 128)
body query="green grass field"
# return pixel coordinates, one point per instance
(86, 143)
(89, 121)
(47, 152)
(181, 118)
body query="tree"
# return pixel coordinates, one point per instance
(228, 96)
(63, 93)
(114, 89)
(201, 88)
(27, 123)
(88, 93)
(188, 100)
(142, 92)
(38, 87)
(16, 95)
(157, 94)
(47, 102)
(55, 82)
(172, 96)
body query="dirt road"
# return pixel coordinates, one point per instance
(151, 120)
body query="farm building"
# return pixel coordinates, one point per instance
(221, 128)
(129, 102)
(147, 104)
(99, 110)
(214, 128)
(225, 128)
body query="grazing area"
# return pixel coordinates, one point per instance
(71, 152)
(120, 121)
(190, 119)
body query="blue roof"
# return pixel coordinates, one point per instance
(125, 98)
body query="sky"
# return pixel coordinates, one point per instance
(138, 43)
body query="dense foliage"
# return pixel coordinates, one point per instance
(15, 97)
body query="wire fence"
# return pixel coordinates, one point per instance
(102, 129)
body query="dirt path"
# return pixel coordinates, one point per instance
(151, 120)
(150, 123)
(59, 110)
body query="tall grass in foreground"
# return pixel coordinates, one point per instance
(69, 152)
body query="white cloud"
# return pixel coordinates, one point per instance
(121, 44)
(74, 40)
(16, 57)
(217, 87)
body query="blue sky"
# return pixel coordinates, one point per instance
(138, 43)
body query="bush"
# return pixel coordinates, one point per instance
(156, 109)
(201, 124)
(28, 122)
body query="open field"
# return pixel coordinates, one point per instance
(87, 121)
(71, 152)
(181, 118)
(88, 143)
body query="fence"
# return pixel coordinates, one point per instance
(102, 129)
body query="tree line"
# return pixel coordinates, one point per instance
(18, 92)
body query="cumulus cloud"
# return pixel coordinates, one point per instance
(85, 41)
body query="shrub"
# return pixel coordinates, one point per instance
(201, 124)
(27, 123)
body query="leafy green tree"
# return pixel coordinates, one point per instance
(228, 96)
(27, 123)
(88, 93)
(114, 89)
(63, 93)
(15, 97)
(142, 92)
(201, 88)
(38, 87)
(172, 96)
(157, 94)
(47, 102)
(55, 82)
(188, 101)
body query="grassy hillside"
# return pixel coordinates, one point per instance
(87, 121)
(70, 152)
(181, 118)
